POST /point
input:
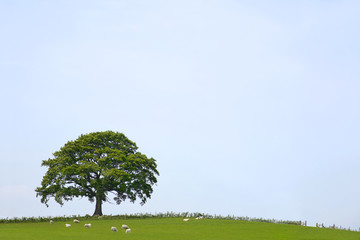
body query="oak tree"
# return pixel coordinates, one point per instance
(96, 165)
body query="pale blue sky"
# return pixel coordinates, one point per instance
(251, 108)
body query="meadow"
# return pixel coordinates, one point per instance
(169, 228)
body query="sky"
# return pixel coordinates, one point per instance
(250, 108)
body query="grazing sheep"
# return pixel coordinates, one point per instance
(51, 221)
(198, 218)
(125, 226)
(128, 230)
(88, 225)
(186, 219)
(67, 225)
(114, 229)
(76, 221)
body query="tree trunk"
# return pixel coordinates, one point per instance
(98, 210)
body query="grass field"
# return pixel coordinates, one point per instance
(170, 229)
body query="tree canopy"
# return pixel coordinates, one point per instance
(95, 165)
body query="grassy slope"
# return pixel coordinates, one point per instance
(170, 228)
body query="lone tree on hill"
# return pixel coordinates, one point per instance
(95, 165)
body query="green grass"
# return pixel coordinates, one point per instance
(170, 229)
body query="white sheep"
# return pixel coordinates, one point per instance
(125, 226)
(51, 221)
(88, 225)
(186, 219)
(128, 230)
(198, 218)
(114, 229)
(67, 225)
(76, 221)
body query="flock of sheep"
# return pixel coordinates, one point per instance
(88, 225)
(114, 229)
